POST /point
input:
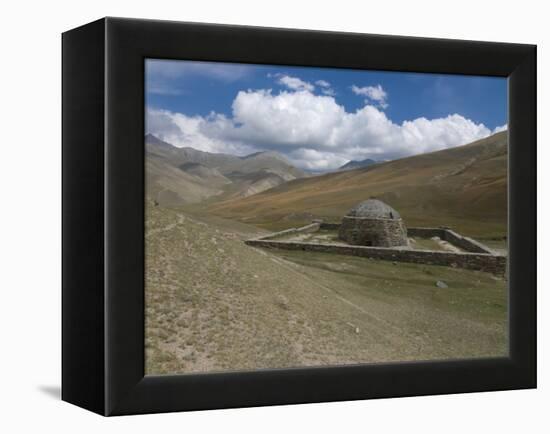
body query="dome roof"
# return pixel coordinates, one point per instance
(374, 209)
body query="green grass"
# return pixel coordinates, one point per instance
(474, 294)
(213, 303)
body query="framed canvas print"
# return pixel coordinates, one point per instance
(257, 216)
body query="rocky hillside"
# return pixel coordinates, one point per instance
(176, 176)
(463, 187)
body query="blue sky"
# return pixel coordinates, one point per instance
(318, 117)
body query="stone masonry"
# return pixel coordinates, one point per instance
(373, 223)
(373, 232)
(495, 264)
(476, 257)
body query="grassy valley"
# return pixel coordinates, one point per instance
(214, 304)
(223, 293)
(463, 187)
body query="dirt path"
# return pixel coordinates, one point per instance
(216, 304)
(375, 320)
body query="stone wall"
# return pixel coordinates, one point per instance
(476, 257)
(491, 263)
(426, 232)
(313, 227)
(465, 243)
(373, 232)
(330, 226)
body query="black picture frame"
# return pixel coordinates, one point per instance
(103, 215)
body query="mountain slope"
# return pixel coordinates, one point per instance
(225, 163)
(353, 164)
(255, 182)
(264, 161)
(463, 187)
(177, 176)
(170, 186)
(212, 175)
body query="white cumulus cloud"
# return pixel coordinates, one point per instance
(313, 131)
(328, 91)
(187, 131)
(326, 88)
(500, 128)
(295, 83)
(312, 159)
(372, 94)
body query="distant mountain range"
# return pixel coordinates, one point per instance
(464, 187)
(177, 176)
(354, 164)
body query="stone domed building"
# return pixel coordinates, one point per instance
(373, 223)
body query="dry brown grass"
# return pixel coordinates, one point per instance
(463, 187)
(215, 304)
